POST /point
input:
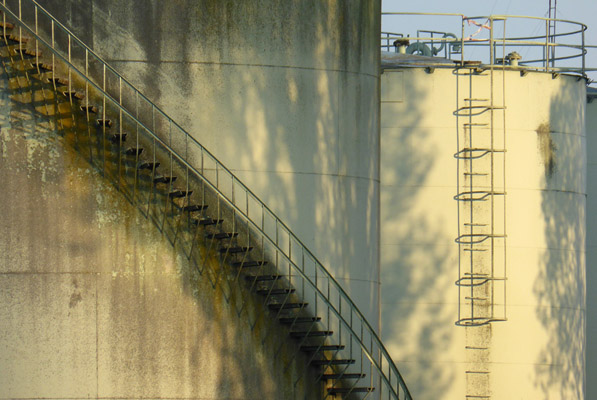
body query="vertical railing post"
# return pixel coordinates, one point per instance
(491, 42)
(546, 48)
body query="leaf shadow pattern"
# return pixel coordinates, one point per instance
(560, 284)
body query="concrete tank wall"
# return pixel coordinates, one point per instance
(283, 93)
(591, 245)
(95, 303)
(538, 353)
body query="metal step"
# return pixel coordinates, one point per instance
(58, 81)
(302, 334)
(343, 376)
(299, 320)
(73, 94)
(164, 179)
(89, 109)
(325, 363)
(286, 306)
(207, 221)
(195, 207)
(42, 66)
(149, 165)
(177, 194)
(103, 122)
(351, 390)
(25, 53)
(324, 347)
(118, 138)
(275, 292)
(236, 249)
(221, 235)
(249, 264)
(134, 151)
(263, 278)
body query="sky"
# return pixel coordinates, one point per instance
(584, 11)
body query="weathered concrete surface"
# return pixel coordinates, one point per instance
(95, 303)
(283, 93)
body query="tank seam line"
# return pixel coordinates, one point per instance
(248, 65)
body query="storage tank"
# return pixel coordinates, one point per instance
(483, 192)
(591, 118)
(284, 93)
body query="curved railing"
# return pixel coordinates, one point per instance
(553, 45)
(148, 123)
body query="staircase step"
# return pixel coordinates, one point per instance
(117, 138)
(90, 109)
(42, 66)
(324, 347)
(302, 334)
(58, 81)
(27, 53)
(134, 151)
(103, 122)
(351, 390)
(275, 292)
(10, 38)
(263, 278)
(222, 235)
(286, 306)
(299, 320)
(343, 376)
(235, 250)
(195, 207)
(324, 362)
(164, 179)
(177, 194)
(6, 25)
(149, 165)
(73, 94)
(249, 264)
(207, 221)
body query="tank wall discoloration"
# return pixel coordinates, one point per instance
(539, 351)
(285, 94)
(95, 303)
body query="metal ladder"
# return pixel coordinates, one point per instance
(481, 199)
(481, 196)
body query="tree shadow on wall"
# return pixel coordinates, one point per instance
(417, 248)
(323, 104)
(560, 286)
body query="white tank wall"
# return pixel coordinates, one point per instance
(539, 351)
(283, 93)
(591, 117)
